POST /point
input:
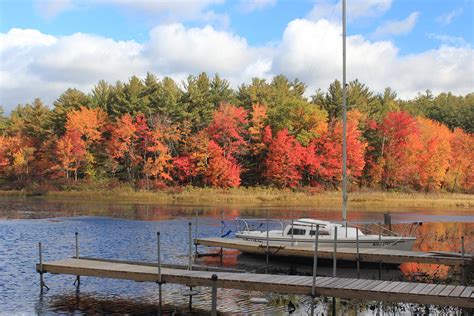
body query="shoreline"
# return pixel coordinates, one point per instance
(260, 197)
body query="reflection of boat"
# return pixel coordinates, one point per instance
(302, 233)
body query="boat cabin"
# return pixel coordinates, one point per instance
(307, 228)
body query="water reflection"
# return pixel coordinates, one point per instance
(127, 231)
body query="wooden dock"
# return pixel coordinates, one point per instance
(345, 288)
(348, 254)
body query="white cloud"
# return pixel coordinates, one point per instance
(248, 6)
(449, 40)
(332, 11)
(318, 61)
(51, 8)
(34, 64)
(177, 49)
(398, 27)
(38, 65)
(447, 18)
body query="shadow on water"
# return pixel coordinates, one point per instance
(127, 231)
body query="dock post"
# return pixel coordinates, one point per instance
(380, 246)
(463, 276)
(387, 221)
(77, 245)
(160, 297)
(358, 254)
(334, 267)
(334, 255)
(190, 248)
(268, 246)
(77, 282)
(42, 284)
(292, 223)
(315, 269)
(214, 295)
(222, 233)
(196, 233)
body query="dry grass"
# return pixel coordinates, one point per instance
(259, 196)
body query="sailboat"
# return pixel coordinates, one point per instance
(303, 231)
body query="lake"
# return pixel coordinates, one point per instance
(128, 231)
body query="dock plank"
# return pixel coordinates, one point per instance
(447, 290)
(457, 291)
(344, 288)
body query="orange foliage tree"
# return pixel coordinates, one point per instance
(460, 174)
(430, 151)
(70, 153)
(324, 155)
(121, 146)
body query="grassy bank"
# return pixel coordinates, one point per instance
(260, 197)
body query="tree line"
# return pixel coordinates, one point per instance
(155, 133)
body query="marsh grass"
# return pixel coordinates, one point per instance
(261, 197)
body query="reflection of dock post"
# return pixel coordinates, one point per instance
(214, 295)
(160, 296)
(463, 276)
(315, 269)
(358, 254)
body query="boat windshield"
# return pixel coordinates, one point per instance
(321, 232)
(296, 231)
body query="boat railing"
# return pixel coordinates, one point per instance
(247, 223)
(408, 230)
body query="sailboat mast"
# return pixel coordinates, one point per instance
(344, 118)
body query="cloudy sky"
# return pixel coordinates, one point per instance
(47, 46)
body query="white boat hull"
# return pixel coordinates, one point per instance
(387, 242)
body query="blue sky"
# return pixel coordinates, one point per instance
(238, 39)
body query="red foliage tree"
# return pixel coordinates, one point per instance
(227, 129)
(399, 131)
(284, 160)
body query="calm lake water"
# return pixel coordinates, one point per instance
(128, 231)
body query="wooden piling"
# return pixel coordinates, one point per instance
(214, 295)
(190, 251)
(315, 269)
(160, 295)
(358, 253)
(77, 282)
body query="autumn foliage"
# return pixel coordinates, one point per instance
(238, 146)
